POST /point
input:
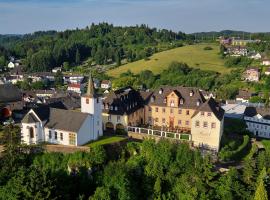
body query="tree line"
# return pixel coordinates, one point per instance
(146, 170)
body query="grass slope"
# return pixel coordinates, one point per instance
(194, 55)
(106, 140)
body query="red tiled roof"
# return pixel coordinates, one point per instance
(74, 85)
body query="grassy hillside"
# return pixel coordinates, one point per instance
(194, 55)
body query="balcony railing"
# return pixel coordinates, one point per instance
(160, 133)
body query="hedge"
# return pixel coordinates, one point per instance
(226, 154)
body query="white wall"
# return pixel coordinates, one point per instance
(52, 140)
(259, 127)
(94, 108)
(87, 132)
(38, 131)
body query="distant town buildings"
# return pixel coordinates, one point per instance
(106, 84)
(252, 74)
(76, 87)
(266, 62)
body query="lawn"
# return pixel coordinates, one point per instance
(266, 144)
(106, 140)
(194, 55)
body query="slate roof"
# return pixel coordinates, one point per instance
(9, 93)
(253, 111)
(55, 118)
(182, 92)
(30, 118)
(65, 120)
(211, 106)
(126, 100)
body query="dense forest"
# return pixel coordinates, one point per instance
(103, 43)
(146, 170)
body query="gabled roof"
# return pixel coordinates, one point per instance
(126, 100)
(211, 106)
(58, 119)
(182, 92)
(9, 93)
(253, 111)
(65, 120)
(30, 118)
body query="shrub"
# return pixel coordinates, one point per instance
(120, 132)
(208, 48)
(227, 154)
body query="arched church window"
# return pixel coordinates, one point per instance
(31, 132)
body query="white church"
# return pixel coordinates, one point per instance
(65, 127)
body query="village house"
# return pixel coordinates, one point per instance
(11, 65)
(106, 84)
(241, 42)
(14, 63)
(244, 96)
(258, 121)
(266, 62)
(10, 100)
(76, 87)
(123, 107)
(267, 71)
(255, 56)
(39, 76)
(237, 51)
(252, 74)
(65, 127)
(76, 79)
(56, 69)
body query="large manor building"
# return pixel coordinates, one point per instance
(177, 109)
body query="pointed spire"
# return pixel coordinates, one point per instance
(90, 88)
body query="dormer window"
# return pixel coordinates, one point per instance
(160, 91)
(165, 100)
(172, 103)
(107, 106)
(181, 101)
(152, 99)
(198, 103)
(191, 93)
(115, 108)
(112, 108)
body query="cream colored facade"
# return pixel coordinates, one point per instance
(186, 114)
(113, 121)
(206, 130)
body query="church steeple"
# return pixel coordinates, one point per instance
(90, 88)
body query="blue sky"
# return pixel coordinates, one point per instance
(26, 16)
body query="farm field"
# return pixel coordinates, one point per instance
(194, 55)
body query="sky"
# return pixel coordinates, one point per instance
(27, 16)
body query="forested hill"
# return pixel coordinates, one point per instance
(232, 33)
(102, 43)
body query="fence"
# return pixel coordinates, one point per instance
(160, 133)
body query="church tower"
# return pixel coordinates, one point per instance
(91, 104)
